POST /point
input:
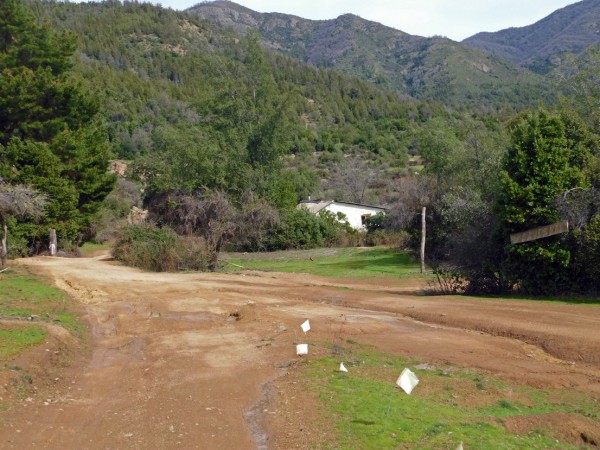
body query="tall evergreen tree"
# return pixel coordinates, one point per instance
(538, 167)
(49, 138)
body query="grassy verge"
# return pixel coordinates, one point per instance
(89, 248)
(449, 406)
(330, 262)
(24, 295)
(14, 341)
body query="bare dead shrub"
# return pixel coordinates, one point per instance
(193, 254)
(394, 239)
(17, 201)
(214, 220)
(256, 217)
(448, 281)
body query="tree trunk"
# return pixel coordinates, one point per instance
(3, 247)
(423, 233)
(53, 243)
(214, 257)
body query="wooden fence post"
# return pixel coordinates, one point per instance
(423, 233)
(3, 246)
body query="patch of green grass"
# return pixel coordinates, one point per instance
(449, 405)
(90, 248)
(14, 341)
(339, 262)
(22, 295)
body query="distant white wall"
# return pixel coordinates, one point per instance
(354, 213)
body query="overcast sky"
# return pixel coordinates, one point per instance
(456, 19)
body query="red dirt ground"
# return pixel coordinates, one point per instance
(190, 360)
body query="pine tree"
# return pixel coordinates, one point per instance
(48, 135)
(537, 169)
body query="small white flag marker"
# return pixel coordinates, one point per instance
(407, 381)
(302, 349)
(343, 368)
(305, 326)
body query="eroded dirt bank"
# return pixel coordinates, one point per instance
(185, 360)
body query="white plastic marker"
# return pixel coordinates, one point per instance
(343, 368)
(302, 349)
(305, 326)
(460, 447)
(407, 381)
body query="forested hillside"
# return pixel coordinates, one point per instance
(159, 68)
(544, 44)
(434, 68)
(174, 87)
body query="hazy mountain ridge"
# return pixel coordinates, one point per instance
(428, 68)
(542, 45)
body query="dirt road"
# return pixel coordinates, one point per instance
(182, 360)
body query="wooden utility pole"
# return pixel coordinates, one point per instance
(423, 233)
(53, 244)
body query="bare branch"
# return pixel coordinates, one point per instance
(20, 201)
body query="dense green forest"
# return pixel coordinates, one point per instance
(222, 138)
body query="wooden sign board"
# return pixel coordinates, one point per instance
(539, 233)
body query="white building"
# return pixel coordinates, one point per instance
(354, 212)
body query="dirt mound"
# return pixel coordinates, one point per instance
(40, 372)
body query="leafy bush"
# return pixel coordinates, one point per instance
(18, 247)
(67, 247)
(161, 250)
(115, 210)
(586, 262)
(377, 234)
(541, 164)
(301, 229)
(375, 223)
(148, 247)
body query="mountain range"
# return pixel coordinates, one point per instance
(478, 71)
(543, 45)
